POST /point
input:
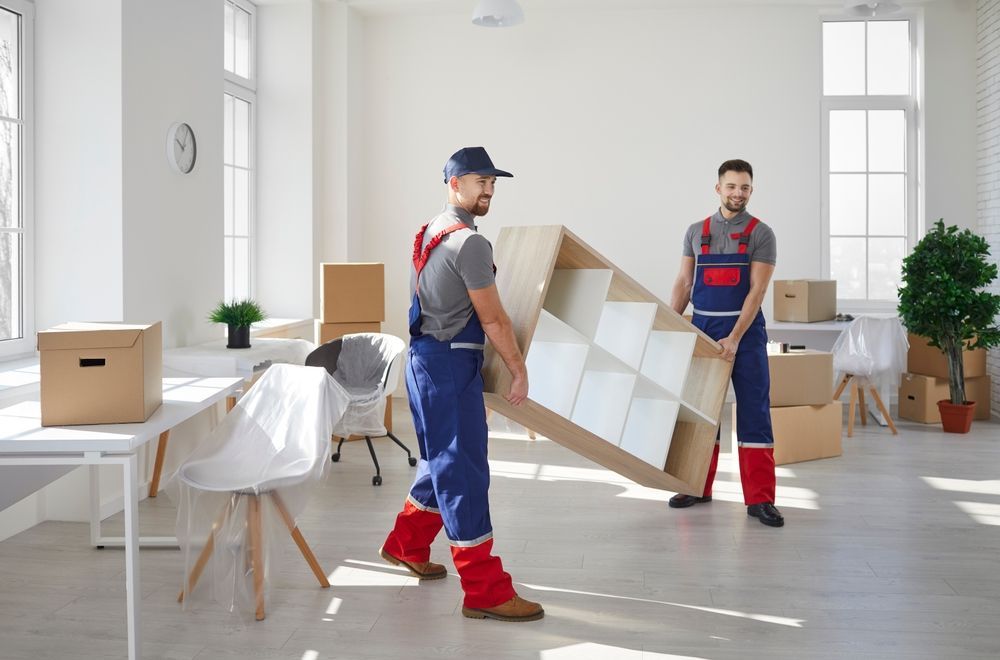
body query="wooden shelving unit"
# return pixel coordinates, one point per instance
(615, 374)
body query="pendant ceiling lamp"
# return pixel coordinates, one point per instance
(497, 13)
(858, 8)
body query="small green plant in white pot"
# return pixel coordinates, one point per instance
(238, 315)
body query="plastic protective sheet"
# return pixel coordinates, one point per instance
(368, 368)
(245, 485)
(872, 348)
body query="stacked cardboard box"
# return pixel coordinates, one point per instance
(805, 419)
(805, 301)
(352, 299)
(926, 382)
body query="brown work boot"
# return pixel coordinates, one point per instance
(514, 610)
(425, 570)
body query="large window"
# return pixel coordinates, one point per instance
(238, 148)
(869, 157)
(16, 323)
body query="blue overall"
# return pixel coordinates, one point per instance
(445, 388)
(721, 285)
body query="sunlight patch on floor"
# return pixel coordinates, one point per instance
(984, 487)
(982, 512)
(763, 618)
(792, 497)
(591, 651)
(348, 576)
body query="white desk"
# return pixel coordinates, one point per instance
(23, 441)
(821, 336)
(214, 359)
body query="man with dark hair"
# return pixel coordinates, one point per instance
(455, 306)
(726, 266)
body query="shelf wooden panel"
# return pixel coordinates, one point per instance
(650, 380)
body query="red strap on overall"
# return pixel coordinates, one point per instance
(420, 257)
(706, 235)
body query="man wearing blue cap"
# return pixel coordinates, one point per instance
(455, 306)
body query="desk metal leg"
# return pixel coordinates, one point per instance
(99, 541)
(95, 505)
(130, 467)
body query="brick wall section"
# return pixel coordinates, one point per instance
(988, 150)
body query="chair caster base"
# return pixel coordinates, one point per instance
(412, 461)
(336, 457)
(376, 480)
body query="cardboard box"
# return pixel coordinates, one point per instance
(329, 331)
(805, 301)
(352, 293)
(926, 360)
(801, 378)
(918, 397)
(805, 433)
(100, 373)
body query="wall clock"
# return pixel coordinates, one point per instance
(182, 150)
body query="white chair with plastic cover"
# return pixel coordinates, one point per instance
(268, 449)
(870, 352)
(368, 366)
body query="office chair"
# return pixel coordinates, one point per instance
(368, 366)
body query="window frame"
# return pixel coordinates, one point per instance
(25, 345)
(910, 105)
(245, 89)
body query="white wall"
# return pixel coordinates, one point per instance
(78, 172)
(950, 112)
(172, 223)
(285, 154)
(614, 125)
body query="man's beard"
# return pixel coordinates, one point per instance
(480, 209)
(734, 209)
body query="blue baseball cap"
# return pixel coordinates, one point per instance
(471, 160)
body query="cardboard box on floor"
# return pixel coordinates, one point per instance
(801, 378)
(919, 394)
(805, 433)
(926, 360)
(805, 301)
(352, 292)
(100, 373)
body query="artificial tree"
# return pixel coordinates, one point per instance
(944, 297)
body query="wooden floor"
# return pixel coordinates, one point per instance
(891, 551)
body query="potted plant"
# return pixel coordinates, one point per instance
(943, 298)
(238, 315)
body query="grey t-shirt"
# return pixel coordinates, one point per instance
(762, 246)
(462, 261)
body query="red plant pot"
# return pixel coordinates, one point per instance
(956, 417)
